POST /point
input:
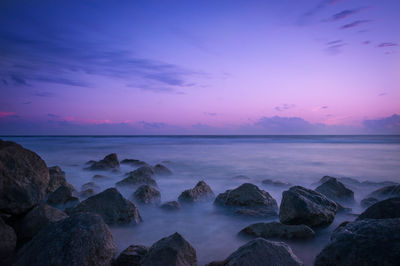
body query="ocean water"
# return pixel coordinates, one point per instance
(299, 160)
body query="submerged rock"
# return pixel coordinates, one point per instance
(110, 162)
(8, 240)
(62, 198)
(241, 177)
(275, 183)
(90, 185)
(87, 193)
(133, 162)
(201, 192)
(365, 203)
(57, 179)
(160, 169)
(140, 176)
(278, 230)
(172, 251)
(389, 208)
(83, 239)
(144, 170)
(111, 206)
(386, 192)
(99, 177)
(131, 256)
(248, 199)
(171, 206)
(305, 206)
(336, 191)
(261, 252)
(364, 242)
(147, 195)
(24, 178)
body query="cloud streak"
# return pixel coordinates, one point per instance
(355, 24)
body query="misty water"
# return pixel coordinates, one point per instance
(300, 160)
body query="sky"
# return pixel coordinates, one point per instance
(199, 67)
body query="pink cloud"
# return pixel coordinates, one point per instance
(5, 114)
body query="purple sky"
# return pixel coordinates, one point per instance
(200, 67)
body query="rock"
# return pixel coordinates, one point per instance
(241, 177)
(172, 251)
(305, 206)
(275, 183)
(87, 193)
(90, 185)
(110, 162)
(364, 242)
(133, 162)
(8, 240)
(171, 206)
(336, 191)
(248, 199)
(24, 178)
(131, 256)
(99, 177)
(201, 192)
(365, 203)
(147, 195)
(389, 208)
(261, 252)
(57, 179)
(144, 170)
(111, 206)
(36, 219)
(138, 177)
(62, 198)
(82, 239)
(278, 230)
(386, 192)
(160, 169)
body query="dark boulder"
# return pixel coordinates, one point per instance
(24, 178)
(146, 194)
(364, 242)
(57, 179)
(82, 239)
(160, 169)
(110, 162)
(87, 193)
(201, 192)
(111, 206)
(275, 183)
(100, 177)
(133, 162)
(365, 203)
(138, 177)
(62, 198)
(389, 208)
(305, 206)
(172, 251)
(8, 240)
(144, 170)
(386, 192)
(336, 191)
(171, 206)
(131, 256)
(278, 230)
(248, 199)
(90, 185)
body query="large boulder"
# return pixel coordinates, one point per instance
(201, 192)
(82, 239)
(365, 203)
(24, 178)
(110, 162)
(62, 198)
(171, 206)
(134, 162)
(364, 242)
(261, 252)
(8, 240)
(278, 230)
(172, 251)
(336, 191)
(305, 206)
(131, 256)
(111, 206)
(160, 169)
(57, 179)
(36, 219)
(147, 195)
(389, 208)
(387, 192)
(138, 177)
(248, 199)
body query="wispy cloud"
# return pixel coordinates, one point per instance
(44, 94)
(382, 94)
(346, 13)
(284, 107)
(6, 114)
(355, 24)
(316, 9)
(387, 44)
(210, 114)
(319, 108)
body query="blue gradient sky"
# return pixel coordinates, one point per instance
(199, 67)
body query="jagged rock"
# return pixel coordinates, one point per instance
(110, 162)
(111, 206)
(368, 202)
(36, 219)
(138, 177)
(24, 178)
(171, 206)
(147, 195)
(386, 192)
(62, 198)
(8, 240)
(160, 169)
(172, 251)
(305, 206)
(389, 208)
(83, 239)
(131, 256)
(275, 183)
(364, 242)
(248, 199)
(201, 192)
(336, 191)
(261, 252)
(278, 230)
(57, 179)
(133, 162)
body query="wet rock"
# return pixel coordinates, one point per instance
(389, 208)
(100, 177)
(110, 162)
(261, 252)
(111, 206)
(201, 192)
(87, 193)
(147, 195)
(144, 170)
(386, 192)
(8, 240)
(136, 179)
(62, 198)
(83, 239)
(171, 206)
(131, 256)
(278, 230)
(365, 203)
(275, 183)
(305, 206)
(172, 251)
(248, 199)
(336, 191)
(90, 185)
(24, 178)
(36, 219)
(133, 162)
(364, 242)
(57, 179)
(241, 177)
(160, 169)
